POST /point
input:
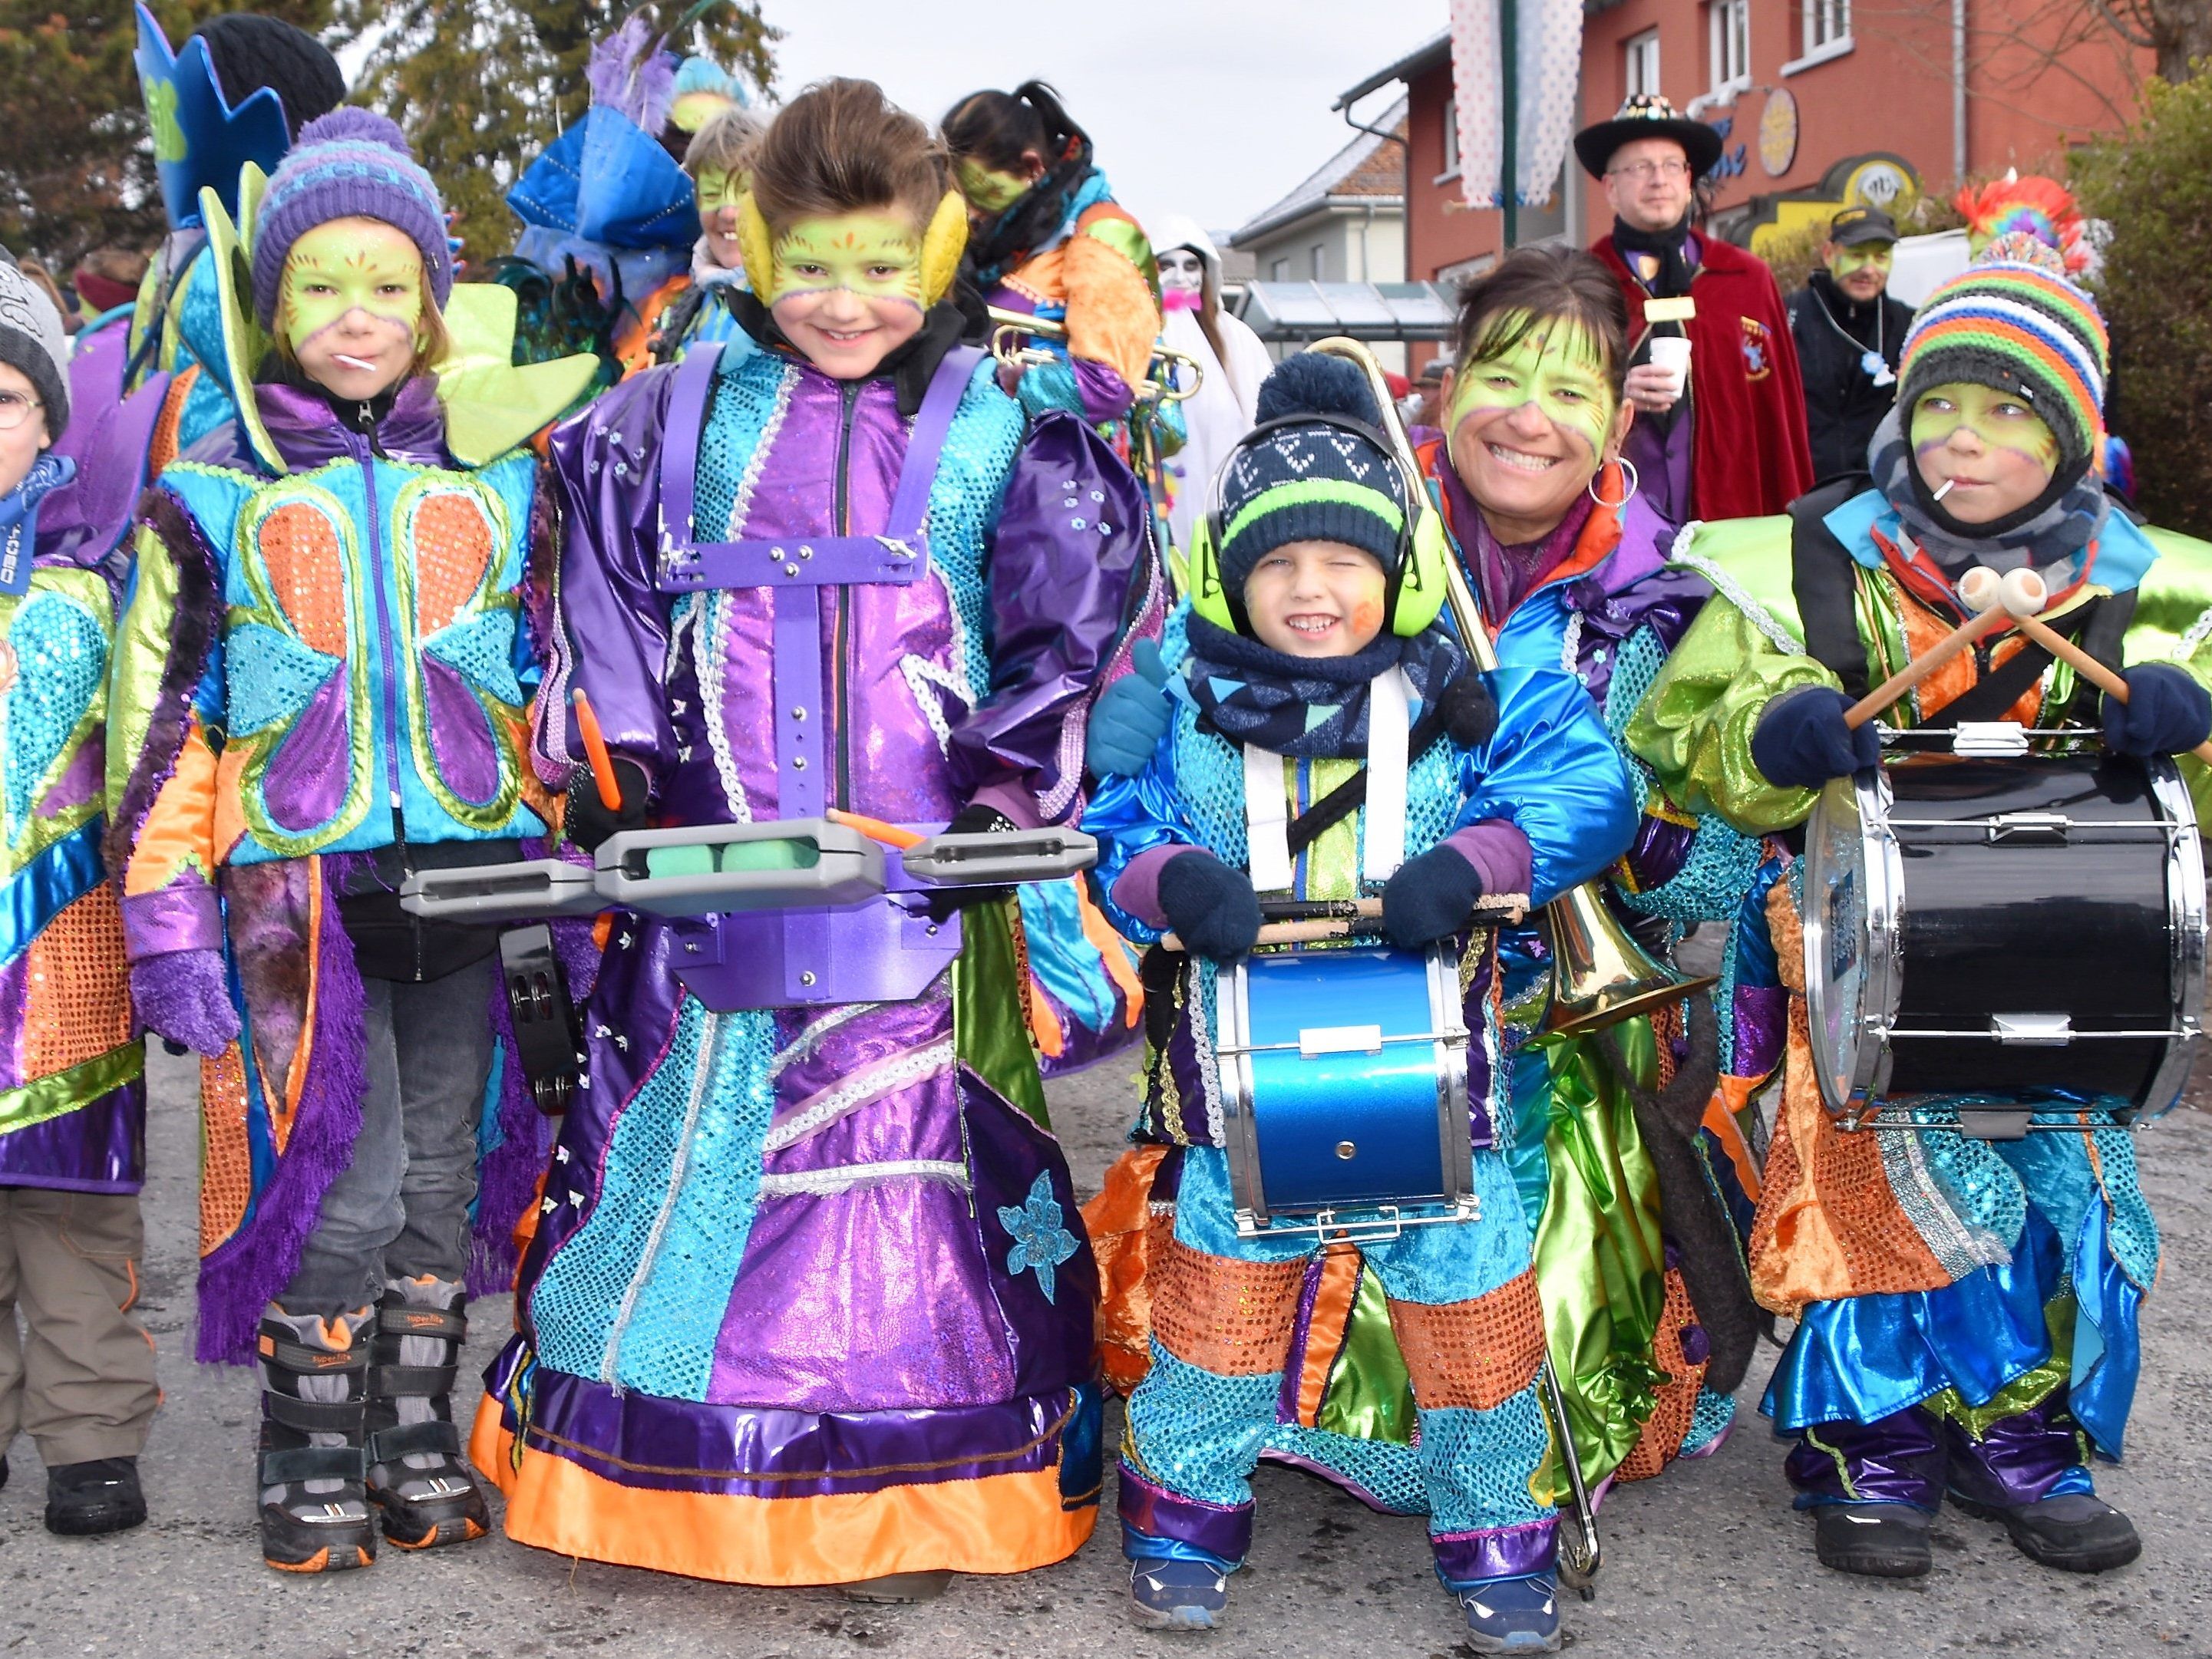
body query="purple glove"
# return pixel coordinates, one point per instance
(185, 997)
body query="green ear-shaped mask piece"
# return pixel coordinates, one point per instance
(491, 405)
(757, 247)
(942, 245)
(243, 344)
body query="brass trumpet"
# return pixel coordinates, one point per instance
(1011, 329)
(1600, 975)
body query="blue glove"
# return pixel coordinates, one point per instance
(2166, 713)
(1429, 898)
(1130, 717)
(1800, 741)
(1210, 905)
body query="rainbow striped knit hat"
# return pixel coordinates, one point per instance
(2013, 321)
(351, 162)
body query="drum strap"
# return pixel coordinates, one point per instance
(1273, 842)
(1824, 580)
(2005, 684)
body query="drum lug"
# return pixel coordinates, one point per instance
(1986, 1124)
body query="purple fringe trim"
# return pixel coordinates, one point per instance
(249, 1270)
(192, 636)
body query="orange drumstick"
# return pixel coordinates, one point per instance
(874, 829)
(595, 748)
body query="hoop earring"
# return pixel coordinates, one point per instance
(1627, 496)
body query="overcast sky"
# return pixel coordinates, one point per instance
(1214, 108)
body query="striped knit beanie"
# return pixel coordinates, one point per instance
(2014, 322)
(351, 162)
(1311, 481)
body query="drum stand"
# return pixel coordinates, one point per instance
(1581, 1552)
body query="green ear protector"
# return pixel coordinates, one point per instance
(1413, 589)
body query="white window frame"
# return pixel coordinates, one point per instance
(1639, 63)
(1823, 33)
(1728, 46)
(1318, 262)
(1451, 143)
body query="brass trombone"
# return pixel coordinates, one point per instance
(1010, 329)
(1600, 975)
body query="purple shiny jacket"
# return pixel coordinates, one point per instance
(969, 683)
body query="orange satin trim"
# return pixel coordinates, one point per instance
(1733, 1095)
(1045, 1029)
(179, 826)
(1332, 1316)
(1000, 1523)
(1120, 960)
(1924, 628)
(1119, 1224)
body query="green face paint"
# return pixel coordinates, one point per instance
(1554, 365)
(864, 253)
(2002, 421)
(345, 263)
(1867, 255)
(715, 190)
(988, 191)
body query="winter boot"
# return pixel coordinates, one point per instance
(416, 1474)
(1169, 1593)
(1513, 1615)
(84, 1500)
(1879, 1541)
(2073, 1532)
(314, 1394)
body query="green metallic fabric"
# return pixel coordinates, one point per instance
(65, 1091)
(141, 647)
(2174, 624)
(989, 1035)
(2024, 1392)
(1601, 1263)
(1124, 236)
(1370, 1395)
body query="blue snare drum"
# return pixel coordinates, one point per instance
(1344, 1089)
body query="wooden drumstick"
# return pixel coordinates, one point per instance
(1965, 633)
(1304, 932)
(2111, 684)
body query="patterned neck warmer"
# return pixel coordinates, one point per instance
(19, 518)
(2060, 523)
(1313, 707)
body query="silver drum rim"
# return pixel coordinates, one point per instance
(1881, 870)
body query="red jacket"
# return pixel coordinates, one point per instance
(1749, 455)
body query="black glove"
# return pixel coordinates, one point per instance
(1210, 905)
(2166, 713)
(1430, 898)
(1800, 740)
(973, 819)
(589, 820)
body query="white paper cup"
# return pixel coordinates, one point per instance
(1671, 352)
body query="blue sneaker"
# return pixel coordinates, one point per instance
(1173, 1595)
(1513, 1615)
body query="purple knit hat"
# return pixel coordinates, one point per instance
(348, 163)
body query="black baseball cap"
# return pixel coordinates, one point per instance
(1857, 225)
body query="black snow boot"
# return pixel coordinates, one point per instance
(2073, 1532)
(84, 1500)
(417, 1475)
(1881, 1540)
(314, 1381)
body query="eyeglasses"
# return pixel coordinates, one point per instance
(1644, 172)
(16, 409)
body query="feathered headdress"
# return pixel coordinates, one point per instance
(2036, 206)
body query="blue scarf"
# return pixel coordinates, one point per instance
(1311, 707)
(18, 518)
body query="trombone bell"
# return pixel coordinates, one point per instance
(1600, 975)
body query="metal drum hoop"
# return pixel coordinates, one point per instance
(1881, 865)
(2186, 932)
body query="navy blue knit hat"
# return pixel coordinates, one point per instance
(1311, 481)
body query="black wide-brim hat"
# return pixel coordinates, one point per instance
(1647, 115)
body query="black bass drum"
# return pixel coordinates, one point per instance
(2023, 930)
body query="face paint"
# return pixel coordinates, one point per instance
(715, 191)
(988, 191)
(1847, 262)
(1555, 366)
(1182, 271)
(872, 255)
(349, 264)
(1986, 449)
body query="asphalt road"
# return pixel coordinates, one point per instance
(1708, 1560)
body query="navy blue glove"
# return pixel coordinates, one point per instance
(1130, 717)
(2166, 713)
(589, 820)
(973, 819)
(1210, 906)
(1429, 898)
(1800, 741)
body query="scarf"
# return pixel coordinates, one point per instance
(1006, 244)
(1660, 258)
(1508, 575)
(19, 518)
(2054, 526)
(1313, 707)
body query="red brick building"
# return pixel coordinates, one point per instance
(1818, 100)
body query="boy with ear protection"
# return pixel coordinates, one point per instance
(1308, 653)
